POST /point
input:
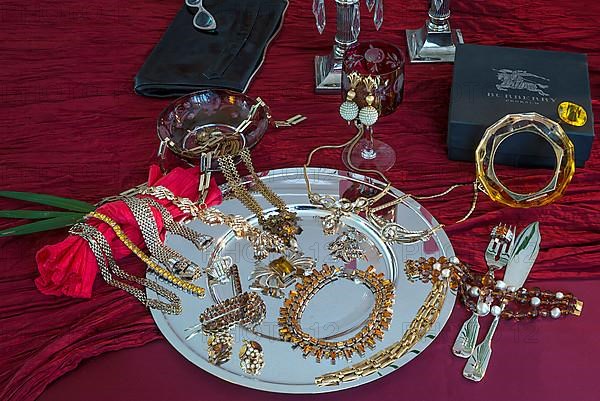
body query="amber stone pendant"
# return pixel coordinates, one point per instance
(572, 114)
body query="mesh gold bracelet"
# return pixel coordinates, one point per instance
(154, 267)
(117, 277)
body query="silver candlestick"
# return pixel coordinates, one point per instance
(436, 41)
(328, 69)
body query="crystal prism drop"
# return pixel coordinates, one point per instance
(378, 15)
(438, 4)
(319, 12)
(370, 4)
(355, 25)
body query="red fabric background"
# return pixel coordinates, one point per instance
(73, 127)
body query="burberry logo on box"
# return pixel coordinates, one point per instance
(521, 80)
(523, 99)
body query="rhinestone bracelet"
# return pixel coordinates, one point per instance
(379, 318)
(158, 270)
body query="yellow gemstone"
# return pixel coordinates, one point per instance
(243, 350)
(282, 266)
(572, 114)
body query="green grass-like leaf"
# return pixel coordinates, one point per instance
(34, 214)
(43, 225)
(50, 200)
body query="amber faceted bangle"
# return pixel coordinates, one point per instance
(514, 124)
(378, 321)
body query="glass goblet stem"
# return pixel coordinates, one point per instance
(368, 152)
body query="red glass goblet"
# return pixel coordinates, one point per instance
(385, 63)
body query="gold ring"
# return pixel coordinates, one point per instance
(514, 124)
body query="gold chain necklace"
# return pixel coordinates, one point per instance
(388, 230)
(283, 224)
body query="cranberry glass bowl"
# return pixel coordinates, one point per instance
(208, 110)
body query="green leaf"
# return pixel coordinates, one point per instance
(34, 214)
(49, 200)
(416, 352)
(42, 225)
(431, 336)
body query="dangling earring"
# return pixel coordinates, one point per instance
(368, 115)
(349, 109)
(220, 348)
(252, 358)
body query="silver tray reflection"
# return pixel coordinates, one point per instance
(337, 311)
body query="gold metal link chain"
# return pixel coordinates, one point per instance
(421, 324)
(271, 196)
(233, 178)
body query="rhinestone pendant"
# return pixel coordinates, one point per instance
(319, 12)
(378, 14)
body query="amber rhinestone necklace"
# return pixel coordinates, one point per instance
(379, 319)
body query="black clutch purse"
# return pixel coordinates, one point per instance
(187, 59)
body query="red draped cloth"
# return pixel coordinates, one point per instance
(73, 127)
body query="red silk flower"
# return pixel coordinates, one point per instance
(69, 267)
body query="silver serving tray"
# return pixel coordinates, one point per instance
(337, 311)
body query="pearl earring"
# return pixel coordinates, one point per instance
(368, 115)
(252, 358)
(349, 109)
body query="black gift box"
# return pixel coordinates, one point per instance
(491, 82)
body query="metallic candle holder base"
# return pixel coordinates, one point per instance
(328, 69)
(328, 74)
(435, 42)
